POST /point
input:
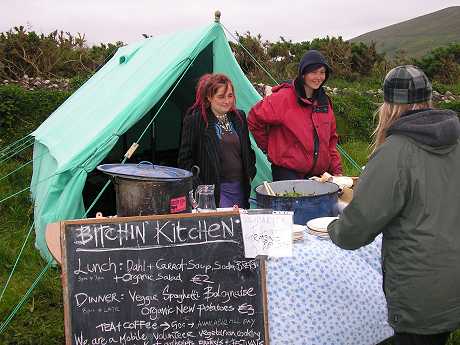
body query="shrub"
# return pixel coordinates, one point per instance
(443, 88)
(56, 54)
(348, 60)
(354, 114)
(22, 111)
(453, 105)
(364, 58)
(442, 64)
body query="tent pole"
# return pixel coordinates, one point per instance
(217, 16)
(153, 142)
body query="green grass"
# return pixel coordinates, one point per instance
(359, 152)
(361, 85)
(443, 88)
(40, 320)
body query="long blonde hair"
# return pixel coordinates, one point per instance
(388, 113)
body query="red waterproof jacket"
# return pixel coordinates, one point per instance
(284, 125)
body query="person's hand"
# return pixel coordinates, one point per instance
(326, 177)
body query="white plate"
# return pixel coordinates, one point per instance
(298, 228)
(318, 234)
(343, 181)
(320, 224)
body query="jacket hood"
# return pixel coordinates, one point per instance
(437, 131)
(311, 58)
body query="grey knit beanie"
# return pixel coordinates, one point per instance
(406, 85)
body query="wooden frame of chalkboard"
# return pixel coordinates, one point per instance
(160, 280)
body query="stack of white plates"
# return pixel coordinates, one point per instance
(318, 226)
(297, 232)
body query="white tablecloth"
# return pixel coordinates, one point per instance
(326, 295)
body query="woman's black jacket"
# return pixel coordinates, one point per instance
(200, 146)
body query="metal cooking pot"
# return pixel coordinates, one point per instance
(146, 189)
(318, 200)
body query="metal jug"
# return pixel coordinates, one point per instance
(203, 200)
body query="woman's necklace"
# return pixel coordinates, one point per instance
(224, 123)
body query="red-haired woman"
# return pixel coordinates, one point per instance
(215, 138)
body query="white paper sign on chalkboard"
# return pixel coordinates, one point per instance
(162, 280)
(267, 234)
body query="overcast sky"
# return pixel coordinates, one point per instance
(127, 20)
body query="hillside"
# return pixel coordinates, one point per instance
(418, 35)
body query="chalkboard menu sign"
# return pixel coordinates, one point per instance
(161, 280)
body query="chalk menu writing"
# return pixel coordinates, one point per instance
(161, 280)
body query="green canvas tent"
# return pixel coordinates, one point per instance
(155, 76)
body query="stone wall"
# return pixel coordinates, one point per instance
(40, 83)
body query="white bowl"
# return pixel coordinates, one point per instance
(343, 181)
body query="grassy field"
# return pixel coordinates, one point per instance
(40, 319)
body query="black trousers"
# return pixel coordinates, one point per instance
(420, 339)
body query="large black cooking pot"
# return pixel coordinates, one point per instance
(146, 189)
(318, 200)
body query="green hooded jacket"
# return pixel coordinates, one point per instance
(410, 192)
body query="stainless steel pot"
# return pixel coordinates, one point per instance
(146, 189)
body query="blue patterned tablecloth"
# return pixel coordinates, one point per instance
(326, 295)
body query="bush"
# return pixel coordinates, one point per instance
(56, 54)
(348, 60)
(355, 116)
(443, 88)
(454, 105)
(361, 85)
(22, 111)
(442, 64)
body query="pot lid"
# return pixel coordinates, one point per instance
(144, 171)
